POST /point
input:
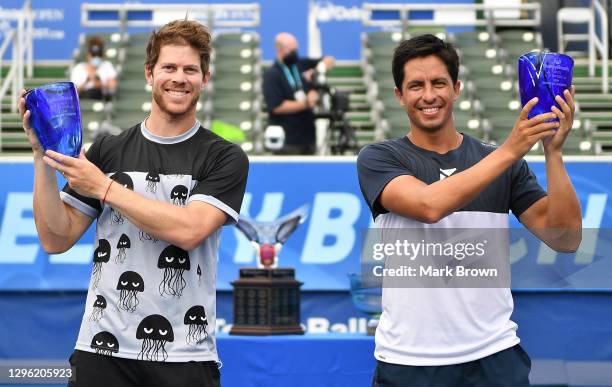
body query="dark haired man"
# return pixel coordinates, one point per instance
(160, 192)
(96, 78)
(437, 177)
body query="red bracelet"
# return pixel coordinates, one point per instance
(108, 189)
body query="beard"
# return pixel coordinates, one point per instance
(159, 100)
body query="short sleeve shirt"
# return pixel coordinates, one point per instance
(148, 299)
(299, 127)
(105, 72)
(422, 326)
(516, 189)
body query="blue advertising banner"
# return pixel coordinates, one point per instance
(323, 250)
(569, 326)
(57, 25)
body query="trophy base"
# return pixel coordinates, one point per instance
(371, 326)
(246, 330)
(266, 302)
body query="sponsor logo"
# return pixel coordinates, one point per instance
(444, 173)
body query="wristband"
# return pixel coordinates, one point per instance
(106, 193)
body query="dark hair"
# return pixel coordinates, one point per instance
(180, 32)
(96, 46)
(421, 46)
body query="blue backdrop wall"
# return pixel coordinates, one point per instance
(323, 250)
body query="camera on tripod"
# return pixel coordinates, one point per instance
(333, 105)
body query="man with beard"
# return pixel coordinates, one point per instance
(436, 177)
(290, 97)
(148, 334)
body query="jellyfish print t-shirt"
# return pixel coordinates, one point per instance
(148, 299)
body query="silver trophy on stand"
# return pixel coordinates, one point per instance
(268, 238)
(267, 298)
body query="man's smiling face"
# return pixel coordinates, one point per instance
(428, 94)
(177, 80)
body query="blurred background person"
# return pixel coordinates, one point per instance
(290, 95)
(96, 78)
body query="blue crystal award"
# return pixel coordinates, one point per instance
(367, 297)
(544, 75)
(55, 117)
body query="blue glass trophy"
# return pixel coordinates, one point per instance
(55, 117)
(544, 75)
(367, 297)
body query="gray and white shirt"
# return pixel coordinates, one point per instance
(148, 299)
(422, 326)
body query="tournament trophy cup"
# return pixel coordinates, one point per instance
(267, 298)
(55, 117)
(544, 75)
(367, 297)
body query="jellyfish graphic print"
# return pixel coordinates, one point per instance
(125, 180)
(122, 245)
(129, 285)
(105, 343)
(178, 195)
(98, 309)
(174, 261)
(101, 255)
(195, 319)
(154, 331)
(145, 236)
(152, 180)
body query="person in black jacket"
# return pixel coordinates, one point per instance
(290, 97)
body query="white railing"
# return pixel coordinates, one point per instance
(10, 39)
(20, 40)
(10, 76)
(212, 15)
(600, 44)
(454, 15)
(596, 44)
